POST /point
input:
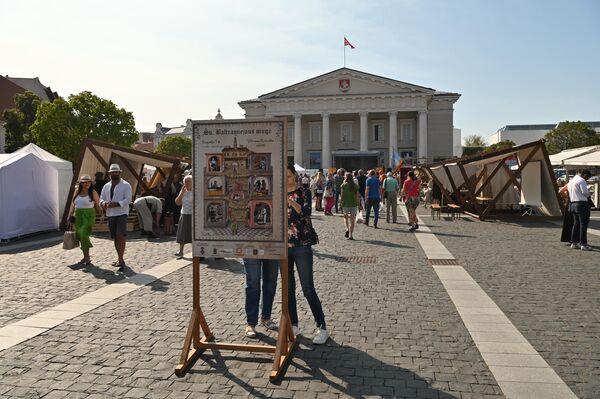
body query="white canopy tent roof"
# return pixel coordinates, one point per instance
(299, 168)
(64, 168)
(28, 195)
(590, 158)
(563, 156)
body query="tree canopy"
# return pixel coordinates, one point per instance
(176, 146)
(61, 125)
(570, 135)
(500, 145)
(19, 120)
(474, 140)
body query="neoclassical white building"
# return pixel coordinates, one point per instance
(352, 119)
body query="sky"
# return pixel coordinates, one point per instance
(513, 61)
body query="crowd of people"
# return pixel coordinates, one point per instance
(359, 195)
(349, 193)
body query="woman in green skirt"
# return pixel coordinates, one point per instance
(85, 203)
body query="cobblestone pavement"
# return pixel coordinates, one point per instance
(395, 332)
(549, 292)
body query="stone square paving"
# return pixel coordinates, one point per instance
(396, 331)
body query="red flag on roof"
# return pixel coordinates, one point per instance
(347, 43)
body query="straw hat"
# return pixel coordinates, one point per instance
(85, 178)
(114, 168)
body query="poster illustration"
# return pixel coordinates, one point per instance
(239, 189)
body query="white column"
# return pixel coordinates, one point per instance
(364, 135)
(422, 142)
(326, 142)
(393, 135)
(298, 139)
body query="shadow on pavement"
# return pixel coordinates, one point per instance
(385, 243)
(111, 277)
(345, 369)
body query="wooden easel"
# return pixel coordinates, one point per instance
(194, 345)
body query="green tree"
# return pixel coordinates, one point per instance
(500, 145)
(570, 135)
(176, 146)
(19, 120)
(474, 140)
(60, 126)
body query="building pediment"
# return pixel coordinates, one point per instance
(346, 81)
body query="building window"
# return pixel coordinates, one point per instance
(378, 131)
(314, 160)
(315, 133)
(407, 133)
(346, 132)
(291, 134)
(408, 156)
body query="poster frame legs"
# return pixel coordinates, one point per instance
(194, 344)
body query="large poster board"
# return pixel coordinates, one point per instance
(239, 189)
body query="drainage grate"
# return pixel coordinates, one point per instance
(443, 262)
(360, 259)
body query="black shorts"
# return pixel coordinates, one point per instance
(117, 225)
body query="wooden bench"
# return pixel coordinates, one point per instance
(101, 226)
(436, 208)
(454, 211)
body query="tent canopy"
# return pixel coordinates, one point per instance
(590, 158)
(97, 156)
(484, 182)
(563, 156)
(64, 168)
(28, 196)
(299, 168)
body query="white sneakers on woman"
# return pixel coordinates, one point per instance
(321, 337)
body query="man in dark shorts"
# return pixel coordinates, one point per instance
(115, 199)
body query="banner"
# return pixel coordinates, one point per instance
(240, 207)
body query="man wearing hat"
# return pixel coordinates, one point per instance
(391, 186)
(115, 199)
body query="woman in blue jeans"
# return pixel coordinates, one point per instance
(300, 241)
(255, 269)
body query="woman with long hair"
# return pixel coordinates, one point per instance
(83, 215)
(410, 192)
(301, 237)
(350, 201)
(318, 186)
(329, 194)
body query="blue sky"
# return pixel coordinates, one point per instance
(514, 62)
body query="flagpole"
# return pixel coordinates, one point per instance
(344, 42)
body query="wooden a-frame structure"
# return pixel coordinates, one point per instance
(96, 156)
(481, 182)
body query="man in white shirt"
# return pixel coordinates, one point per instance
(580, 209)
(115, 199)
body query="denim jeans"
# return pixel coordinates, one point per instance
(372, 203)
(336, 194)
(269, 269)
(302, 257)
(581, 218)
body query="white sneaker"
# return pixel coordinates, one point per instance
(321, 337)
(586, 248)
(296, 330)
(575, 246)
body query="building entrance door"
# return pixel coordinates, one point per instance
(364, 162)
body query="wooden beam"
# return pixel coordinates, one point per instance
(490, 177)
(508, 183)
(454, 188)
(471, 189)
(445, 192)
(74, 180)
(97, 155)
(135, 174)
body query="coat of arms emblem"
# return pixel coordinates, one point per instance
(344, 85)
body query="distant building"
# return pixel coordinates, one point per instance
(521, 134)
(356, 120)
(457, 142)
(145, 142)
(11, 86)
(162, 132)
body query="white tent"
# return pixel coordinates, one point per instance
(590, 158)
(28, 195)
(565, 155)
(64, 168)
(299, 168)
